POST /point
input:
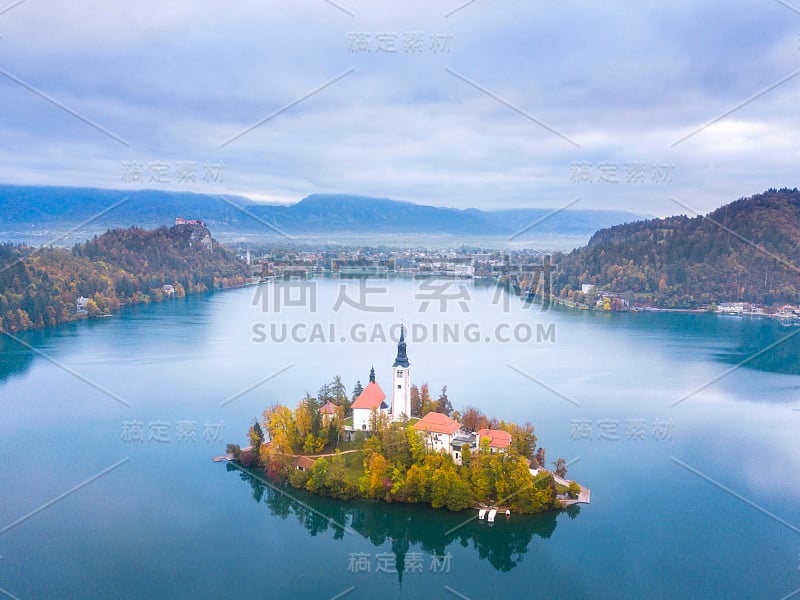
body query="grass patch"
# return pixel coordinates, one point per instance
(353, 466)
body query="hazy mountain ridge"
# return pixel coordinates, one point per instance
(29, 207)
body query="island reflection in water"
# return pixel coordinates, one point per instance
(503, 544)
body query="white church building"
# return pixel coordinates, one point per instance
(373, 398)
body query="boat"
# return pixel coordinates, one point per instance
(492, 515)
(482, 514)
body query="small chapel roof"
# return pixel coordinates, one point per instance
(371, 398)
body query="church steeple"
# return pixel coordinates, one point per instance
(401, 382)
(401, 360)
(372, 375)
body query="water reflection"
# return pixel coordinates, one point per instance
(503, 544)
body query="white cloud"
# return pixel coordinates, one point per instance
(178, 79)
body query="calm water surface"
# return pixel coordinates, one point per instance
(696, 497)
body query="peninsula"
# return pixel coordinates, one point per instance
(45, 286)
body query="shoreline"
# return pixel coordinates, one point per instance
(689, 311)
(584, 496)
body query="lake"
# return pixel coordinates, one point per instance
(685, 427)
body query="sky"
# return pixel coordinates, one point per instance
(653, 107)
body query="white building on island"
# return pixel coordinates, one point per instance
(371, 399)
(438, 431)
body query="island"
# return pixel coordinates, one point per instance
(416, 450)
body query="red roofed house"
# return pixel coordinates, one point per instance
(439, 430)
(498, 440)
(372, 398)
(328, 411)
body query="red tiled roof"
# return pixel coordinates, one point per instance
(497, 438)
(371, 397)
(437, 423)
(329, 408)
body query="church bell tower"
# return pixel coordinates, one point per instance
(401, 384)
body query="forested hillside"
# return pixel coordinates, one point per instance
(745, 251)
(40, 287)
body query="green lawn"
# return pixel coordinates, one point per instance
(353, 466)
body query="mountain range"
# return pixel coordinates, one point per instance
(31, 208)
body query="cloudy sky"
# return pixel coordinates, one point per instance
(490, 104)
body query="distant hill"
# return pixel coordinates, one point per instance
(123, 266)
(748, 250)
(25, 209)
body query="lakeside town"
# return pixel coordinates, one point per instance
(529, 273)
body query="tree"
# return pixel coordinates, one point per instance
(92, 309)
(416, 487)
(416, 401)
(309, 424)
(440, 488)
(481, 476)
(466, 456)
(378, 422)
(573, 489)
(376, 477)
(318, 481)
(357, 389)
(459, 496)
(416, 445)
(473, 419)
(338, 391)
(283, 430)
(540, 458)
(443, 404)
(256, 435)
(324, 394)
(523, 440)
(426, 403)
(561, 467)
(396, 448)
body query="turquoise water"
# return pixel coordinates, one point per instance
(167, 522)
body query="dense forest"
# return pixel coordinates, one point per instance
(745, 251)
(41, 287)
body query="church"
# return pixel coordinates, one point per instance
(439, 432)
(374, 398)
